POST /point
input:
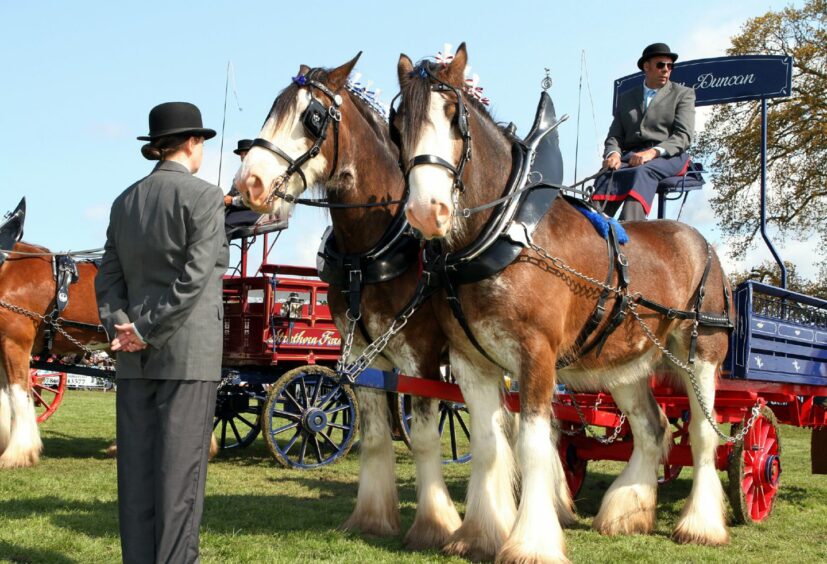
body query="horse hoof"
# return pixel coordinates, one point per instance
(516, 553)
(430, 533)
(472, 543)
(687, 532)
(627, 511)
(373, 525)
(637, 523)
(12, 459)
(112, 450)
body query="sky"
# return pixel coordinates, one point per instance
(81, 77)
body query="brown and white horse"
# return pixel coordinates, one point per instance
(28, 282)
(366, 170)
(529, 316)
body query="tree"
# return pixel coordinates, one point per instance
(796, 138)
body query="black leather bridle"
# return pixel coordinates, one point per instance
(316, 119)
(423, 71)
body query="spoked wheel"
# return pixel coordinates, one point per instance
(310, 419)
(237, 416)
(573, 465)
(680, 436)
(454, 428)
(754, 469)
(47, 392)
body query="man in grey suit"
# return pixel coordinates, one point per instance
(647, 141)
(159, 296)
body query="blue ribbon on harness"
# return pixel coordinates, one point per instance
(601, 223)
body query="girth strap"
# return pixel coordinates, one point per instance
(622, 304)
(578, 349)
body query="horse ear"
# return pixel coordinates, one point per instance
(303, 69)
(338, 77)
(455, 73)
(404, 68)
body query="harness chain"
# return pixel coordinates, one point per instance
(585, 427)
(54, 322)
(755, 412)
(351, 371)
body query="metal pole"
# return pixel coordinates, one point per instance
(764, 194)
(577, 138)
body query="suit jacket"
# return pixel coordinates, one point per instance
(669, 122)
(164, 259)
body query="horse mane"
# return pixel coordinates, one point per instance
(416, 92)
(374, 119)
(284, 107)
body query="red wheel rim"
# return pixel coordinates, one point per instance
(47, 397)
(762, 468)
(573, 466)
(680, 435)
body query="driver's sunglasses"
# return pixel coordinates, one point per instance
(664, 65)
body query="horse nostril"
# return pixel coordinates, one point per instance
(253, 186)
(443, 214)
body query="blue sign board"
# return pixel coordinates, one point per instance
(726, 79)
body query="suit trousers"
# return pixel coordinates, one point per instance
(638, 183)
(163, 435)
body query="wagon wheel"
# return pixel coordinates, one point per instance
(310, 419)
(454, 428)
(573, 465)
(237, 420)
(680, 436)
(47, 397)
(754, 469)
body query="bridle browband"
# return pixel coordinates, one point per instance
(423, 71)
(316, 119)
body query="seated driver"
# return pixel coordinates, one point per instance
(647, 141)
(236, 213)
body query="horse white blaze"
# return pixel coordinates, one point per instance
(430, 209)
(261, 167)
(24, 445)
(537, 535)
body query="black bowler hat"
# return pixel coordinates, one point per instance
(243, 145)
(175, 118)
(656, 50)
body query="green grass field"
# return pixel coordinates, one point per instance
(65, 509)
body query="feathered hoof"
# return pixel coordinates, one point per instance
(470, 542)
(517, 553)
(627, 511)
(373, 524)
(639, 522)
(430, 533)
(689, 531)
(19, 459)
